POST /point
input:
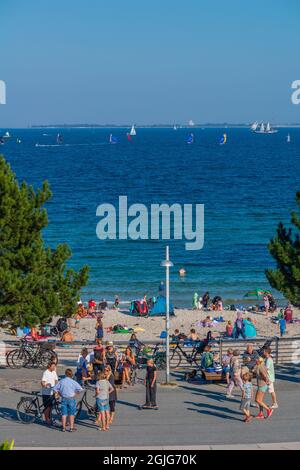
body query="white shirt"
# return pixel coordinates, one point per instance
(50, 378)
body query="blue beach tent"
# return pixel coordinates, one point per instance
(159, 308)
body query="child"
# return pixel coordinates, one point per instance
(217, 365)
(229, 329)
(103, 389)
(247, 397)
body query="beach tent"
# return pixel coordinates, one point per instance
(159, 307)
(250, 330)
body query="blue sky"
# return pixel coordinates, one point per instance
(116, 61)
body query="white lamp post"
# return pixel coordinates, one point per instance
(167, 264)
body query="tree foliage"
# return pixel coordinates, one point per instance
(285, 249)
(35, 283)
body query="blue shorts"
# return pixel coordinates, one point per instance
(226, 369)
(68, 407)
(102, 405)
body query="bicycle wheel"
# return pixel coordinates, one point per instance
(27, 410)
(56, 411)
(160, 362)
(44, 358)
(9, 361)
(19, 358)
(175, 359)
(78, 410)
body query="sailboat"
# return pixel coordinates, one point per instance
(223, 139)
(19, 141)
(133, 131)
(266, 129)
(254, 126)
(175, 128)
(190, 139)
(6, 135)
(112, 139)
(59, 139)
(288, 138)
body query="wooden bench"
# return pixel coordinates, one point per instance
(213, 376)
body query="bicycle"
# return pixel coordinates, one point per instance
(91, 409)
(178, 353)
(30, 408)
(159, 357)
(31, 355)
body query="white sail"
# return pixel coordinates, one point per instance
(254, 126)
(288, 138)
(268, 128)
(191, 123)
(262, 127)
(133, 131)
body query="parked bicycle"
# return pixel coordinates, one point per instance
(29, 409)
(158, 356)
(31, 354)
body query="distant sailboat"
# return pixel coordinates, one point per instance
(59, 139)
(223, 139)
(266, 129)
(254, 126)
(190, 139)
(133, 131)
(19, 141)
(2, 142)
(112, 139)
(288, 138)
(191, 123)
(175, 128)
(6, 135)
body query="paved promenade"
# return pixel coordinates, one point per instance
(190, 416)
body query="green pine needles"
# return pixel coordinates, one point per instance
(35, 283)
(285, 249)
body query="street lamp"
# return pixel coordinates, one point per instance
(167, 264)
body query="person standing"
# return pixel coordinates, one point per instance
(103, 389)
(150, 383)
(266, 304)
(68, 389)
(113, 395)
(271, 373)
(99, 329)
(247, 396)
(49, 380)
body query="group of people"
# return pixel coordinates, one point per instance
(203, 303)
(100, 367)
(240, 374)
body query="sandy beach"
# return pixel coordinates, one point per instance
(184, 320)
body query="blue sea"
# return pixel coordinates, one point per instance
(247, 187)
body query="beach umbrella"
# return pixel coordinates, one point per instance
(257, 293)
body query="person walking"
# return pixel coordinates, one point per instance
(150, 383)
(235, 373)
(263, 382)
(68, 389)
(271, 374)
(49, 380)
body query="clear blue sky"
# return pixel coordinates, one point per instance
(100, 61)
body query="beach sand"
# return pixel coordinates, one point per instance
(184, 320)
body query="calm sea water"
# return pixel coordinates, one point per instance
(247, 186)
